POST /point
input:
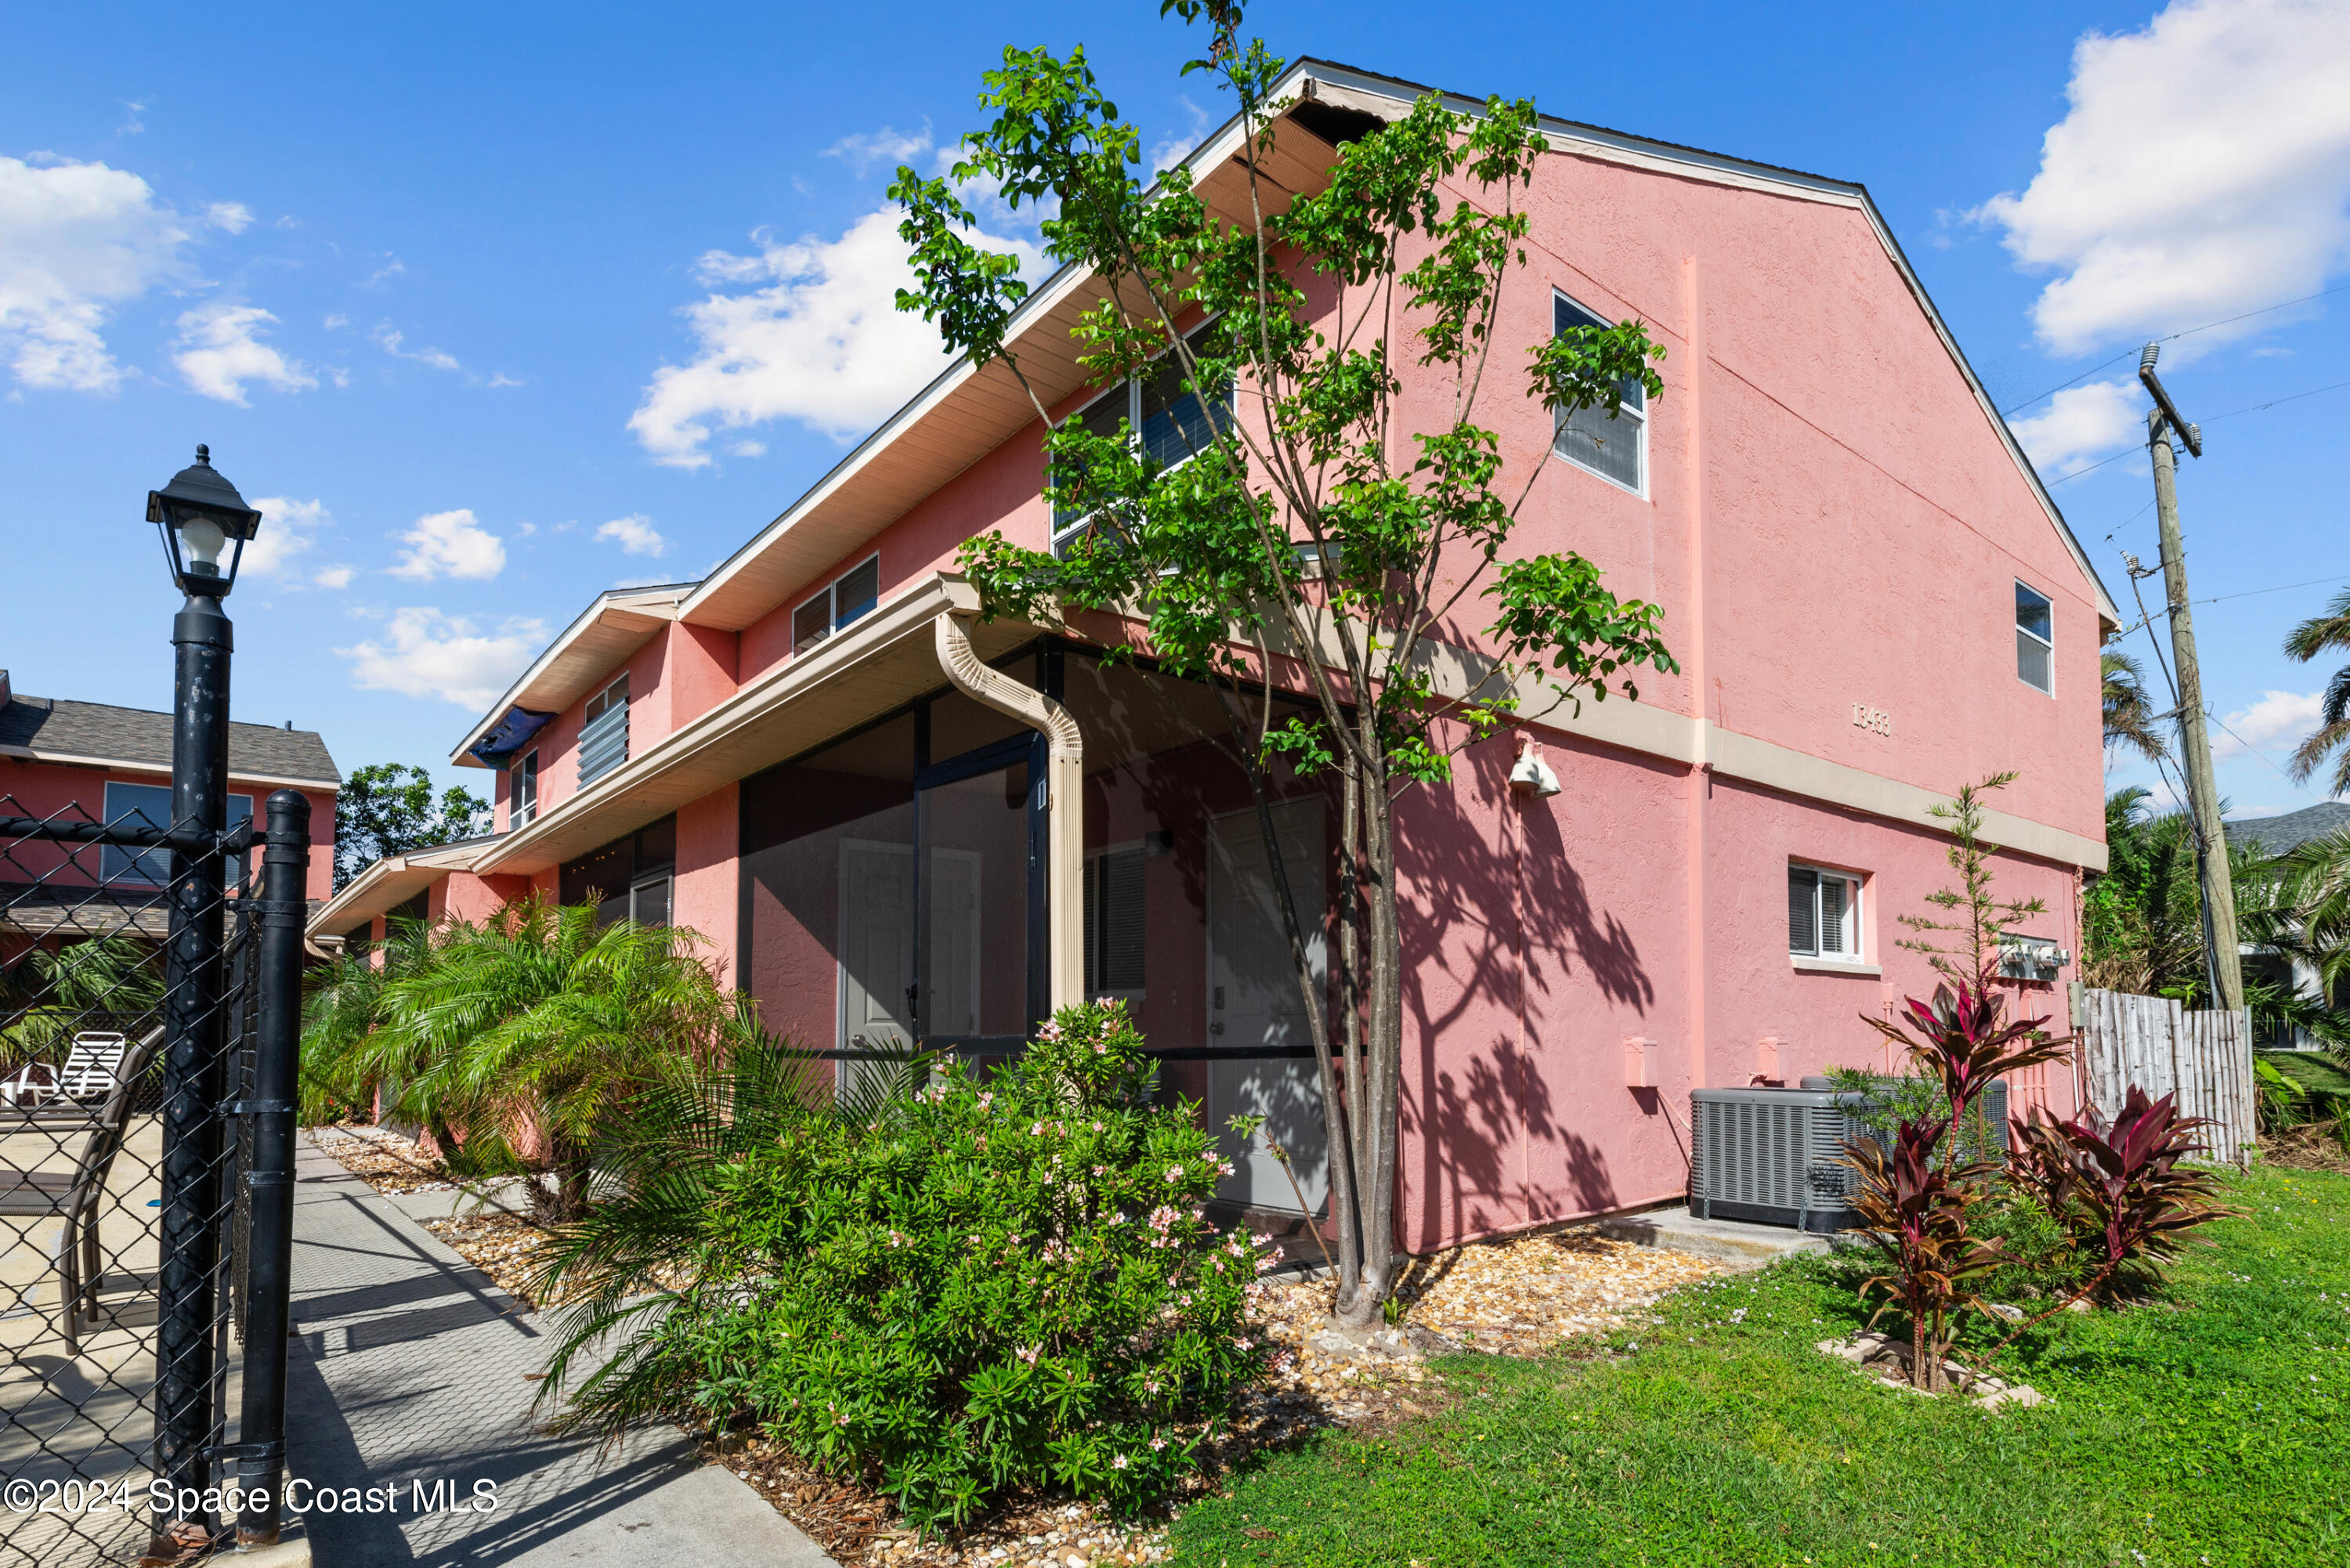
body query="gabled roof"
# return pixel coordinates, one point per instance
(614, 626)
(964, 413)
(97, 735)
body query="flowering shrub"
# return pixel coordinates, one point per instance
(995, 1283)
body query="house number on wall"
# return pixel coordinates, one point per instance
(1876, 719)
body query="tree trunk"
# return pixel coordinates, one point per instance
(1374, 1113)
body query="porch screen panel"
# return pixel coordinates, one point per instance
(975, 895)
(828, 943)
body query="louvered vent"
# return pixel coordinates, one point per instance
(1776, 1155)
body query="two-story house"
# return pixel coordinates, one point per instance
(890, 822)
(91, 762)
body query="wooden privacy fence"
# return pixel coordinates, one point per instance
(2205, 1058)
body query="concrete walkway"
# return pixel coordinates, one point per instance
(410, 1366)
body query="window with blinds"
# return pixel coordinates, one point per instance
(603, 738)
(2035, 639)
(847, 598)
(1823, 913)
(1612, 446)
(1114, 941)
(1166, 417)
(523, 810)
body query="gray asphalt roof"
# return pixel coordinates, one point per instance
(2280, 835)
(143, 739)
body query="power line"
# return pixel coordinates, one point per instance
(2246, 594)
(2215, 419)
(2190, 332)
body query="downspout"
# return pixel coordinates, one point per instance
(1064, 797)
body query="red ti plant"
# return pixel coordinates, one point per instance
(2121, 1189)
(1961, 1039)
(1916, 1216)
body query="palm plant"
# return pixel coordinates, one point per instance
(522, 1034)
(638, 1253)
(2129, 720)
(49, 995)
(2328, 632)
(342, 1010)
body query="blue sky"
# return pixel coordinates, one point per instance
(500, 306)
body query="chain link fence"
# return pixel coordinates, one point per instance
(135, 974)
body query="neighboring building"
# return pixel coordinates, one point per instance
(818, 759)
(90, 761)
(2276, 836)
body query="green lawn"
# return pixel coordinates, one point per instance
(2213, 1428)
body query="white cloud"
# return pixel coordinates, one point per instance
(1165, 155)
(391, 268)
(285, 532)
(2278, 718)
(219, 350)
(76, 239)
(235, 217)
(2081, 425)
(134, 125)
(449, 544)
(334, 576)
(390, 342)
(885, 145)
(822, 343)
(635, 535)
(425, 653)
(2202, 170)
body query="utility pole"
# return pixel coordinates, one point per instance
(2219, 944)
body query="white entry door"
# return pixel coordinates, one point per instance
(1254, 1003)
(877, 947)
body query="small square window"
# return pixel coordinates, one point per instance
(848, 598)
(2035, 639)
(812, 622)
(1823, 913)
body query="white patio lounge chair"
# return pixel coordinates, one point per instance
(93, 1066)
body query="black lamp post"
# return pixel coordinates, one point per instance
(200, 515)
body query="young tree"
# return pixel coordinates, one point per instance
(1978, 921)
(389, 809)
(1320, 537)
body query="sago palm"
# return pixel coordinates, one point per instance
(2326, 633)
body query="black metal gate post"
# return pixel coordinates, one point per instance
(202, 640)
(277, 1046)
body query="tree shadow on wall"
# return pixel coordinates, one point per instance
(1461, 871)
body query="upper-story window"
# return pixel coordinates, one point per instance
(847, 597)
(603, 738)
(1166, 417)
(1823, 913)
(523, 806)
(150, 805)
(2035, 639)
(1612, 446)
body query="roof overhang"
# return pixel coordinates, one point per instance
(162, 770)
(965, 413)
(880, 663)
(391, 882)
(609, 630)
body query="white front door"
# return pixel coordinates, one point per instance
(1254, 1003)
(877, 947)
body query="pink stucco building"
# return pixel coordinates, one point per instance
(889, 821)
(71, 760)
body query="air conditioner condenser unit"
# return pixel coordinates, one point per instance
(1775, 1156)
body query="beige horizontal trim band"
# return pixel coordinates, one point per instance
(161, 770)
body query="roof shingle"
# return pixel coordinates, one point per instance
(137, 737)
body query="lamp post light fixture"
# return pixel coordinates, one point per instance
(200, 515)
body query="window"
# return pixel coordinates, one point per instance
(1169, 424)
(2035, 639)
(150, 805)
(1114, 945)
(603, 738)
(1612, 446)
(1823, 913)
(847, 598)
(523, 806)
(627, 879)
